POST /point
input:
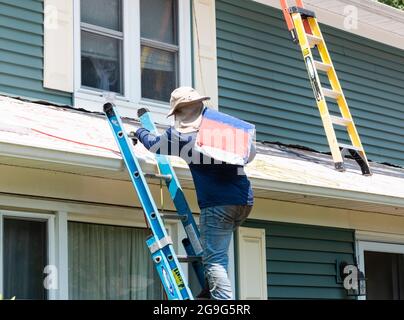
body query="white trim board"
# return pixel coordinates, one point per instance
(372, 237)
(62, 255)
(381, 247)
(252, 264)
(205, 50)
(116, 165)
(387, 29)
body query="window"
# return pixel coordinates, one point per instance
(138, 50)
(384, 275)
(24, 254)
(24, 247)
(110, 263)
(101, 45)
(159, 47)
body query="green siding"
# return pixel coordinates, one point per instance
(262, 79)
(301, 259)
(21, 52)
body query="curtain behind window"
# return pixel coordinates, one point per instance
(25, 256)
(110, 263)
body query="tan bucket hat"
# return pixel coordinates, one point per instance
(183, 96)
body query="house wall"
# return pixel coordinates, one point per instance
(262, 79)
(304, 242)
(21, 52)
(301, 259)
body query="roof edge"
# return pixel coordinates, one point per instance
(59, 156)
(377, 7)
(281, 186)
(117, 165)
(377, 31)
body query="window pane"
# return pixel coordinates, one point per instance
(103, 13)
(158, 20)
(101, 62)
(158, 73)
(110, 263)
(25, 256)
(384, 276)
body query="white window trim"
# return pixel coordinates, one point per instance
(379, 30)
(363, 246)
(62, 255)
(50, 221)
(131, 100)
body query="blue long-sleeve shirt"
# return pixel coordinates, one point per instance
(215, 184)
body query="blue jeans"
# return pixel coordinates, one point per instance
(217, 225)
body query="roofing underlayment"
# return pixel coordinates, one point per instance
(76, 132)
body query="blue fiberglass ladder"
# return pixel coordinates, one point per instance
(159, 243)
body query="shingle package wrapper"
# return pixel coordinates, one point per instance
(225, 138)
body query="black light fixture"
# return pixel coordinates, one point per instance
(352, 278)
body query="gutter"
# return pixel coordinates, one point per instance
(117, 165)
(287, 187)
(60, 157)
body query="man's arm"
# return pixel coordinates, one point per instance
(160, 144)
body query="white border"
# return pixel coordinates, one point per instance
(258, 234)
(363, 246)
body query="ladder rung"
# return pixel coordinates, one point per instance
(340, 121)
(167, 177)
(304, 12)
(348, 147)
(313, 40)
(189, 258)
(173, 216)
(331, 93)
(322, 66)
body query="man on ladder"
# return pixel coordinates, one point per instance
(224, 192)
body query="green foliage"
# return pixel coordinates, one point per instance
(399, 4)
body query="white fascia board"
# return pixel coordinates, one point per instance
(287, 187)
(61, 157)
(117, 165)
(381, 32)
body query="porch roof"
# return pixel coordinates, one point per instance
(70, 140)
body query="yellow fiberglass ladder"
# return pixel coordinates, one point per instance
(305, 31)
